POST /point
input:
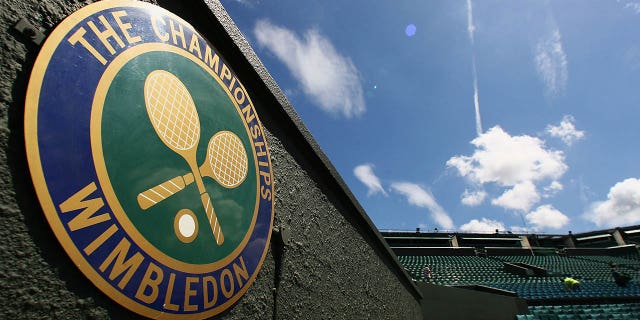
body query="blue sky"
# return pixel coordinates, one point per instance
(466, 115)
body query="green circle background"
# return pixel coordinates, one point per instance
(136, 160)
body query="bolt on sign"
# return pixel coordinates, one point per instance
(149, 160)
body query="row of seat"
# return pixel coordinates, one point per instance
(457, 270)
(593, 271)
(588, 267)
(469, 269)
(555, 290)
(581, 311)
(561, 316)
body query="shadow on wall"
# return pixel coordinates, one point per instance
(38, 279)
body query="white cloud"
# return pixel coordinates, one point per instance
(516, 163)
(476, 93)
(248, 3)
(622, 206)
(473, 198)
(633, 6)
(521, 197)
(364, 173)
(330, 79)
(482, 226)
(470, 27)
(422, 198)
(519, 229)
(509, 160)
(551, 63)
(552, 189)
(565, 131)
(547, 217)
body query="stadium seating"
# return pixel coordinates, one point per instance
(532, 266)
(457, 270)
(594, 273)
(581, 311)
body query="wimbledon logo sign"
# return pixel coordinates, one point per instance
(149, 160)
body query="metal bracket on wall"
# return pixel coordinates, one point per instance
(28, 30)
(282, 235)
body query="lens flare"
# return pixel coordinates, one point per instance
(410, 30)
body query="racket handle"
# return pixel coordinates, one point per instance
(153, 196)
(213, 218)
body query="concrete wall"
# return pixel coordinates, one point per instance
(335, 266)
(447, 303)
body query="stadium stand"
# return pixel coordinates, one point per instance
(582, 311)
(509, 263)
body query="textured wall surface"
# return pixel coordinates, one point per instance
(329, 269)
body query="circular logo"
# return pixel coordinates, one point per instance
(149, 160)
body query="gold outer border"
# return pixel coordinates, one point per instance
(42, 191)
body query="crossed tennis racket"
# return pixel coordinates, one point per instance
(174, 117)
